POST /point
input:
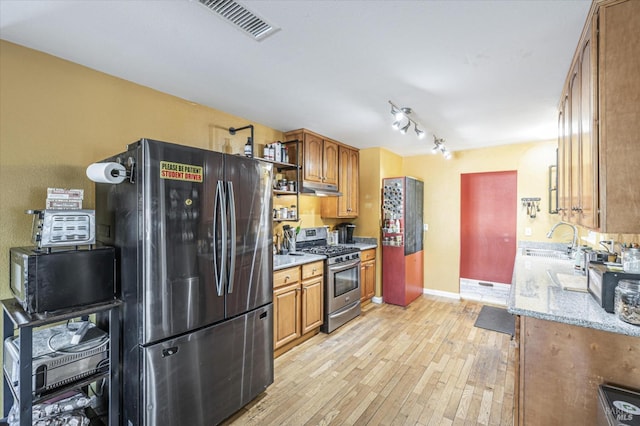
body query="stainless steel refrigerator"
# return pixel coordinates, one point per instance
(193, 234)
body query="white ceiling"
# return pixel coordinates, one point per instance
(476, 73)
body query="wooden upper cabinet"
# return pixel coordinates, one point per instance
(564, 160)
(618, 62)
(313, 147)
(320, 157)
(354, 182)
(574, 144)
(599, 149)
(588, 207)
(330, 162)
(345, 206)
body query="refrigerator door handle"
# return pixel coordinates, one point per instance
(218, 207)
(232, 215)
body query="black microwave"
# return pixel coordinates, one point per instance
(52, 280)
(602, 282)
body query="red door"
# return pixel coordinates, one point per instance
(488, 207)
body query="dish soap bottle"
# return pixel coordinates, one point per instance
(247, 148)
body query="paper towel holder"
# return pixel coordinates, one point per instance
(129, 169)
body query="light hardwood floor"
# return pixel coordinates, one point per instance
(421, 365)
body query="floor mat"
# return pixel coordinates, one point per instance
(496, 319)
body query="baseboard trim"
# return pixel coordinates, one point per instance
(441, 293)
(376, 299)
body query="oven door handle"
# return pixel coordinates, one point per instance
(345, 310)
(339, 267)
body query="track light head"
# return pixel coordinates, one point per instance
(402, 113)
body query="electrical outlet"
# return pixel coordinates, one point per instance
(527, 232)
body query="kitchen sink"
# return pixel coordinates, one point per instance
(549, 254)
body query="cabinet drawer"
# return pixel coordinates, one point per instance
(286, 276)
(312, 269)
(367, 255)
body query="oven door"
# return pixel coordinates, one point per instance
(343, 285)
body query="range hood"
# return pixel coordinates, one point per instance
(319, 189)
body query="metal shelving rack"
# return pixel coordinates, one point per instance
(279, 166)
(14, 317)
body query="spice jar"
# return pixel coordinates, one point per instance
(627, 301)
(631, 260)
(292, 211)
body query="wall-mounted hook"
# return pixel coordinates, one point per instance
(532, 204)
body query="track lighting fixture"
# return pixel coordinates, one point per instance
(404, 113)
(401, 114)
(438, 146)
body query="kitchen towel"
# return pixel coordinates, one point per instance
(496, 319)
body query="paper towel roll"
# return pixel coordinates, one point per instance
(106, 173)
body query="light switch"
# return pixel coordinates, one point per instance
(425, 226)
(527, 232)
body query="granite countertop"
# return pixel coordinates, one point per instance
(536, 292)
(364, 243)
(283, 261)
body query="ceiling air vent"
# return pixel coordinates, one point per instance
(241, 18)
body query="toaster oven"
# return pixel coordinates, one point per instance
(602, 281)
(56, 358)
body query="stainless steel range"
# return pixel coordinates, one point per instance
(342, 277)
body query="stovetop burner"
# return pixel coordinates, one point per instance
(314, 241)
(329, 251)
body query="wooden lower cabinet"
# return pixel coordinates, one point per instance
(560, 366)
(298, 311)
(286, 308)
(312, 309)
(367, 275)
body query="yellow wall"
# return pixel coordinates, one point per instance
(442, 200)
(375, 164)
(58, 117)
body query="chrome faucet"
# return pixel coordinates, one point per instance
(574, 243)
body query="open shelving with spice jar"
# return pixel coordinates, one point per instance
(286, 182)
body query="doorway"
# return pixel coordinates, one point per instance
(488, 207)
